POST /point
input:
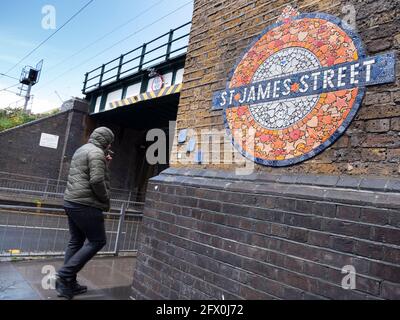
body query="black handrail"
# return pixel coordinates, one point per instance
(96, 80)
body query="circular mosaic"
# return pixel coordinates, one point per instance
(281, 114)
(288, 96)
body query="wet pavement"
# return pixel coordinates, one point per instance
(107, 278)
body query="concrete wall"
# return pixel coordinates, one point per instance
(281, 232)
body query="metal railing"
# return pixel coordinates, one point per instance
(50, 191)
(160, 49)
(33, 223)
(27, 231)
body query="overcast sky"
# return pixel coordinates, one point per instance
(21, 30)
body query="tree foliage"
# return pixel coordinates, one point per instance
(12, 117)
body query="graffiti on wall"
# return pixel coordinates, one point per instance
(298, 87)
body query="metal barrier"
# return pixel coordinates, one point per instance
(27, 231)
(41, 190)
(37, 226)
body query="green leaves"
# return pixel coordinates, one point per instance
(12, 117)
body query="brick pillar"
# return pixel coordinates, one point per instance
(281, 232)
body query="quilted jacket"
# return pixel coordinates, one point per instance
(88, 180)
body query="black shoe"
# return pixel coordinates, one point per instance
(77, 288)
(64, 288)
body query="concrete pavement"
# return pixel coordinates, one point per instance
(107, 278)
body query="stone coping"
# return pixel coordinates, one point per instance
(364, 191)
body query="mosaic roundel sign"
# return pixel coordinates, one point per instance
(297, 87)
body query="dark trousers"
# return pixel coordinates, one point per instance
(85, 223)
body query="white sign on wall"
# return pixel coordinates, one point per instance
(48, 141)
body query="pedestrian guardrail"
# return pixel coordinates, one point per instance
(33, 223)
(27, 231)
(50, 191)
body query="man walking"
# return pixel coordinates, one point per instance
(86, 197)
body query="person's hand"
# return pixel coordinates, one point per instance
(108, 159)
(109, 154)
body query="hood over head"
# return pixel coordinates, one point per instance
(101, 137)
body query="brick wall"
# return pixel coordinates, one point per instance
(209, 234)
(278, 233)
(22, 154)
(223, 29)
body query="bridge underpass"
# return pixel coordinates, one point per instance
(131, 100)
(130, 169)
(133, 94)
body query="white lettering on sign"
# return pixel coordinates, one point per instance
(48, 141)
(365, 72)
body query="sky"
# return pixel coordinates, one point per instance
(25, 24)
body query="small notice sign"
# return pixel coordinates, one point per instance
(49, 141)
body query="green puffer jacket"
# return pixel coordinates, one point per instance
(88, 179)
